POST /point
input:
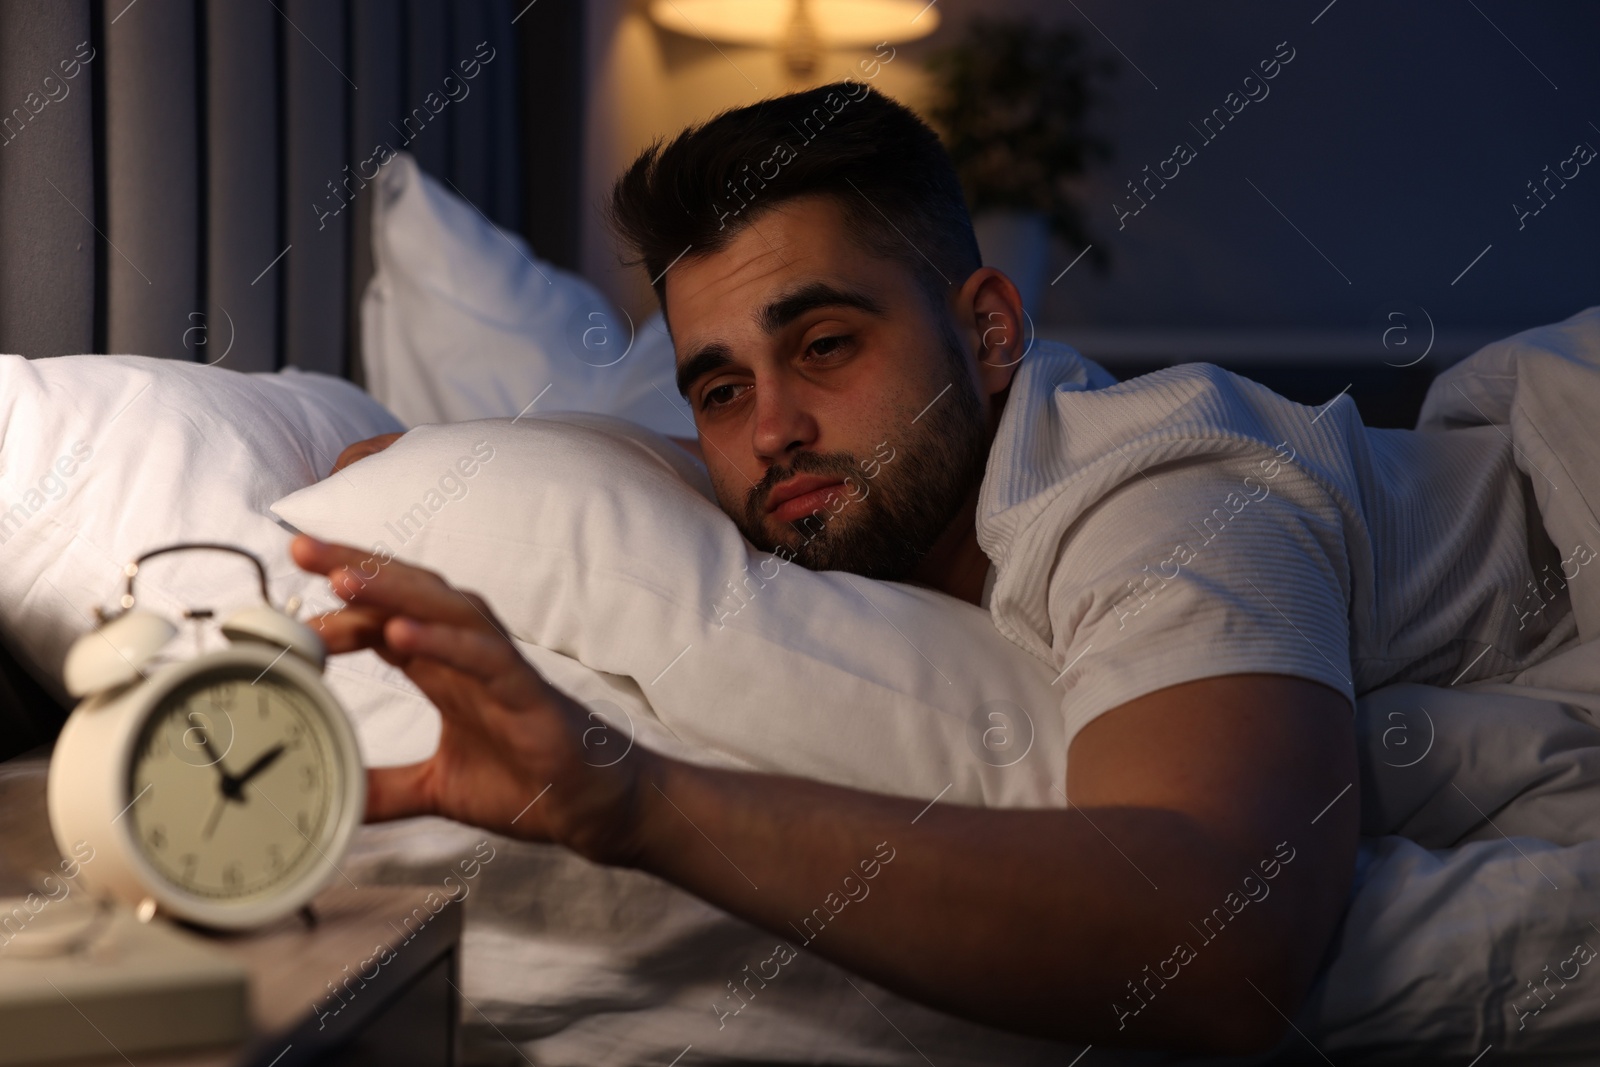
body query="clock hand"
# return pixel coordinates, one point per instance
(216, 813)
(232, 788)
(229, 784)
(262, 762)
(205, 743)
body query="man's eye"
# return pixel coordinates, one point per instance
(709, 400)
(828, 346)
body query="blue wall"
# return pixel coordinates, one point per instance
(1397, 140)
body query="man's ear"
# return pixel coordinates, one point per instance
(990, 309)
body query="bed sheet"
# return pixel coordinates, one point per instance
(1476, 905)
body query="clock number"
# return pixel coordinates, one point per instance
(308, 778)
(157, 836)
(274, 857)
(232, 875)
(191, 863)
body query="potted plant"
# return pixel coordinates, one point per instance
(1013, 101)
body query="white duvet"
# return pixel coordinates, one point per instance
(1475, 918)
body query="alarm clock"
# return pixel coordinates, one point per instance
(220, 789)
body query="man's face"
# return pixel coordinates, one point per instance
(811, 365)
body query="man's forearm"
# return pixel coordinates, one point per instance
(1047, 921)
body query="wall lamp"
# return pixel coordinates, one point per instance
(802, 28)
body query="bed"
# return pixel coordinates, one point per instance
(1478, 855)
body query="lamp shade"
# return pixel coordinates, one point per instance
(837, 23)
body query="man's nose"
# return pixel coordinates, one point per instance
(783, 421)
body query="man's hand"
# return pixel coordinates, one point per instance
(508, 737)
(363, 449)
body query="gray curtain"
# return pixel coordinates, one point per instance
(198, 187)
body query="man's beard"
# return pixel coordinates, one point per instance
(889, 514)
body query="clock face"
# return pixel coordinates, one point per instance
(235, 785)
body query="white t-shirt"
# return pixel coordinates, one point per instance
(1192, 523)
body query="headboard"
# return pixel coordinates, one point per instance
(184, 178)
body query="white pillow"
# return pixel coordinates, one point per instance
(462, 321)
(597, 539)
(105, 457)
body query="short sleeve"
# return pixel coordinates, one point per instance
(1199, 568)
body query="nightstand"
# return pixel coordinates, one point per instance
(405, 1013)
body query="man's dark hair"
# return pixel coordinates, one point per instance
(881, 164)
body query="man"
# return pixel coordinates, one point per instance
(1215, 571)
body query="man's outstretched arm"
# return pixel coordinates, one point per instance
(1061, 923)
(1184, 900)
